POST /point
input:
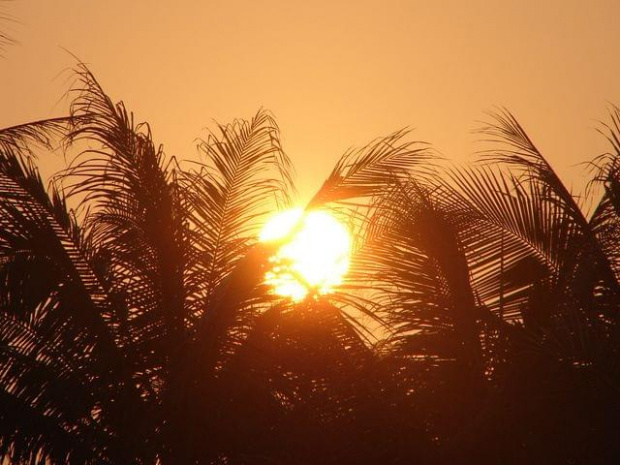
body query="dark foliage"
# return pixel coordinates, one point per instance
(478, 323)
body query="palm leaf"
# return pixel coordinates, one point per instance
(246, 177)
(365, 172)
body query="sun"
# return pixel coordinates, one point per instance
(314, 255)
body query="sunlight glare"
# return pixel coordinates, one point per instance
(315, 257)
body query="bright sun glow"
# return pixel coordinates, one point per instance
(314, 258)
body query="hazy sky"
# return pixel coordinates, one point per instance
(335, 73)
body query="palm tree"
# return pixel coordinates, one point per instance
(479, 313)
(506, 303)
(102, 307)
(134, 325)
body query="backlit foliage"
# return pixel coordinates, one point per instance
(478, 321)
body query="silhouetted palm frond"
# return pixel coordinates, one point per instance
(585, 278)
(368, 171)
(49, 290)
(245, 177)
(22, 138)
(604, 220)
(479, 311)
(520, 153)
(353, 192)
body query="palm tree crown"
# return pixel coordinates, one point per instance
(479, 313)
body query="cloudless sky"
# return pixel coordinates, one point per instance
(335, 73)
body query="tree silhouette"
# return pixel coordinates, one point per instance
(502, 279)
(478, 322)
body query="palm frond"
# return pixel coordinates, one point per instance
(19, 139)
(605, 220)
(366, 172)
(515, 148)
(245, 178)
(589, 271)
(133, 221)
(49, 289)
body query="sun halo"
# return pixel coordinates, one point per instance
(314, 255)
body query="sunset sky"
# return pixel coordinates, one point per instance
(335, 73)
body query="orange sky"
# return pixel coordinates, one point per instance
(335, 73)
